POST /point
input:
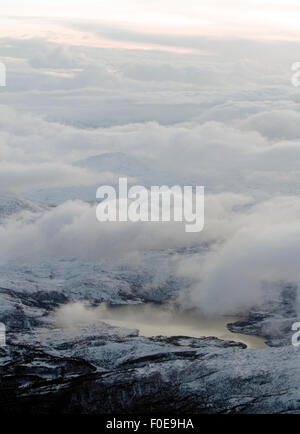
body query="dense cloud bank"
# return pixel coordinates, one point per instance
(81, 116)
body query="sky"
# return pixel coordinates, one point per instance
(273, 19)
(168, 92)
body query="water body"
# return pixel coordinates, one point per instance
(156, 320)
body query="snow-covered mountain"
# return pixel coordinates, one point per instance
(98, 368)
(11, 204)
(116, 163)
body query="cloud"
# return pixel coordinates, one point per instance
(261, 249)
(244, 247)
(72, 230)
(17, 178)
(234, 277)
(276, 124)
(214, 18)
(228, 120)
(222, 156)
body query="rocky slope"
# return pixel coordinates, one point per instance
(96, 368)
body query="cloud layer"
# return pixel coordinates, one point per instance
(159, 107)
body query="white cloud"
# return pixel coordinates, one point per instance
(228, 121)
(262, 248)
(275, 19)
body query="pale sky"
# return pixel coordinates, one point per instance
(275, 19)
